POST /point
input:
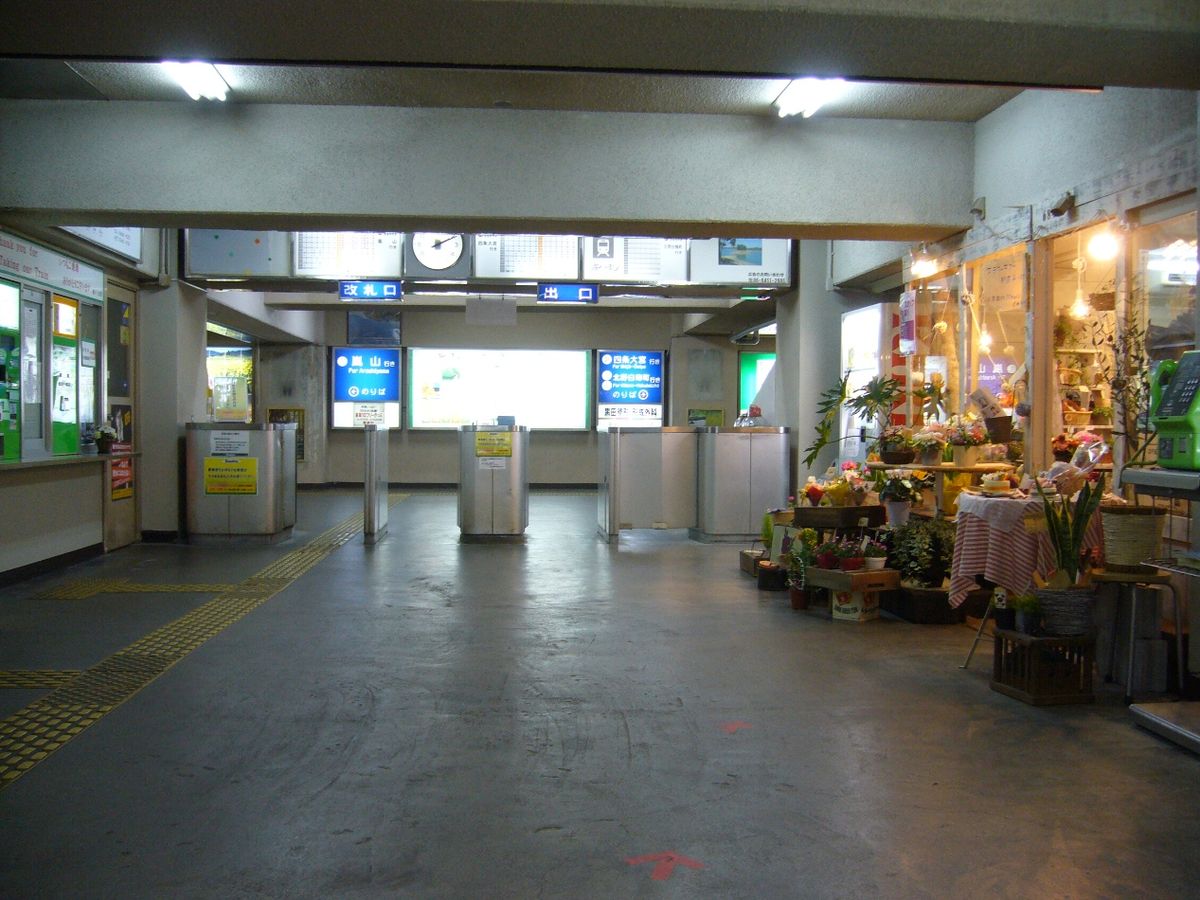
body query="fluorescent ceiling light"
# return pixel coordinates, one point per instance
(807, 95)
(199, 79)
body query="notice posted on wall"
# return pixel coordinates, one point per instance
(229, 443)
(493, 462)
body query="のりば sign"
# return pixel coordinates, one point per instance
(631, 386)
(365, 375)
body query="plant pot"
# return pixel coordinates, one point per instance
(104, 445)
(771, 577)
(1066, 612)
(826, 561)
(966, 456)
(798, 597)
(1005, 619)
(1025, 622)
(898, 457)
(1132, 535)
(897, 511)
(930, 456)
(851, 563)
(873, 563)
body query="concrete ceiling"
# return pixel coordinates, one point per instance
(1067, 43)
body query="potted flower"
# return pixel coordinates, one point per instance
(826, 555)
(1063, 446)
(895, 446)
(105, 436)
(874, 555)
(965, 435)
(849, 555)
(801, 554)
(1026, 611)
(898, 488)
(929, 443)
(854, 483)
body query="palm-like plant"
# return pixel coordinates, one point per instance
(827, 408)
(875, 401)
(1067, 525)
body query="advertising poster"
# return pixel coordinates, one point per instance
(121, 476)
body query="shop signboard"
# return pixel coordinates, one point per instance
(630, 388)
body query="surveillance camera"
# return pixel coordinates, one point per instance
(1064, 205)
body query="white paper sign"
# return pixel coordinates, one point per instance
(229, 443)
(368, 414)
(493, 462)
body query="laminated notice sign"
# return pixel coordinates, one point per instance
(493, 462)
(230, 475)
(493, 443)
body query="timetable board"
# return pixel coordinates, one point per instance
(537, 257)
(346, 254)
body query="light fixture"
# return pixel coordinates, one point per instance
(1103, 245)
(199, 79)
(985, 339)
(1080, 308)
(806, 95)
(923, 265)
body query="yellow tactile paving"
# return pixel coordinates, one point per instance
(36, 678)
(82, 699)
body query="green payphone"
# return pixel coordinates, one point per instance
(10, 372)
(1175, 411)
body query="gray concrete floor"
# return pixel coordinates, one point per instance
(433, 719)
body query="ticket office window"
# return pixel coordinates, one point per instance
(10, 371)
(33, 405)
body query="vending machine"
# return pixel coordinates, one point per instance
(10, 371)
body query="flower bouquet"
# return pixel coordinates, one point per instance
(895, 445)
(929, 443)
(1063, 446)
(964, 435)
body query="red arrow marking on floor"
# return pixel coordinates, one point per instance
(732, 727)
(665, 863)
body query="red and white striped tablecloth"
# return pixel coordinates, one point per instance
(1007, 558)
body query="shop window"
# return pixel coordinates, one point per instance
(934, 368)
(1164, 285)
(995, 350)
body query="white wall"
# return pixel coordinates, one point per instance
(1042, 142)
(50, 511)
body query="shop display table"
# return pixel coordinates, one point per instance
(939, 473)
(854, 596)
(1005, 541)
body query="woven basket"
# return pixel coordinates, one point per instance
(1132, 535)
(1066, 612)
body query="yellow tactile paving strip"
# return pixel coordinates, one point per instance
(83, 588)
(36, 678)
(82, 699)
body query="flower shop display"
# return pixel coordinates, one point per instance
(929, 443)
(801, 555)
(849, 554)
(895, 445)
(899, 488)
(922, 551)
(874, 554)
(964, 435)
(1063, 446)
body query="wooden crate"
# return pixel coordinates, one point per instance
(1044, 671)
(854, 596)
(748, 561)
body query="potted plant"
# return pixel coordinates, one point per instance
(105, 436)
(1027, 610)
(922, 551)
(1102, 415)
(1067, 524)
(849, 555)
(965, 435)
(801, 555)
(828, 409)
(898, 488)
(1063, 446)
(929, 443)
(826, 555)
(895, 446)
(874, 555)
(932, 397)
(873, 404)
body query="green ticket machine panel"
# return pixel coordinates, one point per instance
(10, 372)
(1175, 412)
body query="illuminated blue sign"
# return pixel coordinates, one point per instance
(631, 377)
(568, 293)
(369, 291)
(364, 375)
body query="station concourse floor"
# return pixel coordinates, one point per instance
(559, 718)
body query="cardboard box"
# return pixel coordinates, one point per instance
(748, 561)
(855, 606)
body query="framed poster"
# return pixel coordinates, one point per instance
(285, 415)
(738, 260)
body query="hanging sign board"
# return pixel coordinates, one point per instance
(230, 475)
(532, 256)
(908, 324)
(369, 291)
(745, 261)
(493, 443)
(568, 293)
(636, 259)
(30, 262)
(125, 242)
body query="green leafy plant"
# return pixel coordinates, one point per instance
(1067, 524)
(767, 532)
(875, 550)
(801, 555)
(875, 401)
(904, 485)
(922, 550)
(1026, 603)
(828, 408)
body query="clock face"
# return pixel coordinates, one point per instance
(437, 251)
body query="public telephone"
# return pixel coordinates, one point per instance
(1175, 411)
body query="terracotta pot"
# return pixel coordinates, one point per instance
(826, 561)
(851, 563)
(798, 597)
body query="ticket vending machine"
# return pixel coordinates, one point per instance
(10, 372)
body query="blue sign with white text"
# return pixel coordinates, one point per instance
(631, 377)
(369, 291)
(362, 375)
(568, 293)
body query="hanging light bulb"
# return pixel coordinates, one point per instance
(985, 339)
(1080, 308)
(1103, 245)
(923, 265)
